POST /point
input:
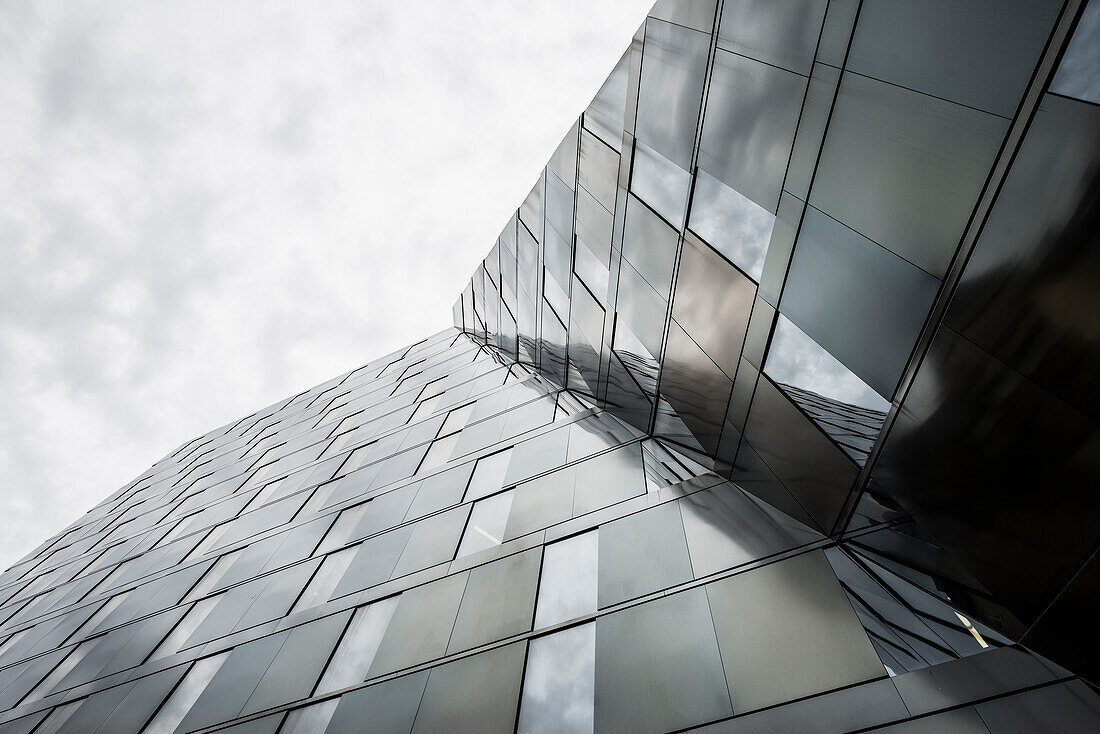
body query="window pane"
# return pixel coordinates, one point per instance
(559, 685)
(568, 585)
(731, 224)
(358, 646)
(184, 697)
(660, 183)
(487, 523)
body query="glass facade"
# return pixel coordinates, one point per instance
(773, 408)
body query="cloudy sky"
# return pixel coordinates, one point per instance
(206, 206)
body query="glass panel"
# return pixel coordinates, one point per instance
(568, 585)
(779, 33)
(697, 14)
(599, 170)
(696, 389)
(441, 490)
(604, 115)
(183, 698)
(787, 631)
(673, 67)
(559, 685)
(658, 667)
(731, 224)
(726, 527)
(420, 626)
(608, 478)
(809, 466)
(353, 657)
(977, 54)
(650, 246)
(438, 453)
(797, 360)
(713, 303)
(559, 209)
(236, 678)
(642, 310)
(456, 419)
(183, 631)
(642, 553)
(311, 719)
(488, 475)
(389, 706)
(660, 183)
(475, 695)
(433, 541)
(487, 523)
(1079, 73)
(498, 601)
(752, 113)
(904, 169)
(374, 561)
(299, 662)
(859, 301)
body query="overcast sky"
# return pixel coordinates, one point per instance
(208, 206)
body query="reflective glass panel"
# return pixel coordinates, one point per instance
(487, 523)
(559, 685)
(568, 585)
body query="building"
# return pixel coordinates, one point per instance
(773, 408)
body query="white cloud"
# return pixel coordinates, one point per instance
(209, 206)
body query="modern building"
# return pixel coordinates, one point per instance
(774, 408)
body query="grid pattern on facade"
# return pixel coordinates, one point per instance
(768, 411)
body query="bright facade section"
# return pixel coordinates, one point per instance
(773, 409)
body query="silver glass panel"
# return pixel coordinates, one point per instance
(726, 527)
(355, 653)
(374, 561)
(487, 524)
(541, 503)
(673, 67)
(298, 664)
(311, 719)
(660, 183)
(599, 170)
(1079, 72)
(779, 32)
(713, 303)
(860, 302)
(731, 223)
(748, 131)
(320, 587)
(642, 553)
(559, 684)
(475, 695)
(977, 53)
(650, 246)
(390, 707)
(658, 667)
(642, 309)
(786, 631)
(439, 491)
(488, 475)
(433, 541)
(697, 14)
(608, 478)
(498, 602)
(420, 626)
(604, 115)
(183, 698)
(904, 169)
(824, 81)
(796, 359)
(568, 585)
